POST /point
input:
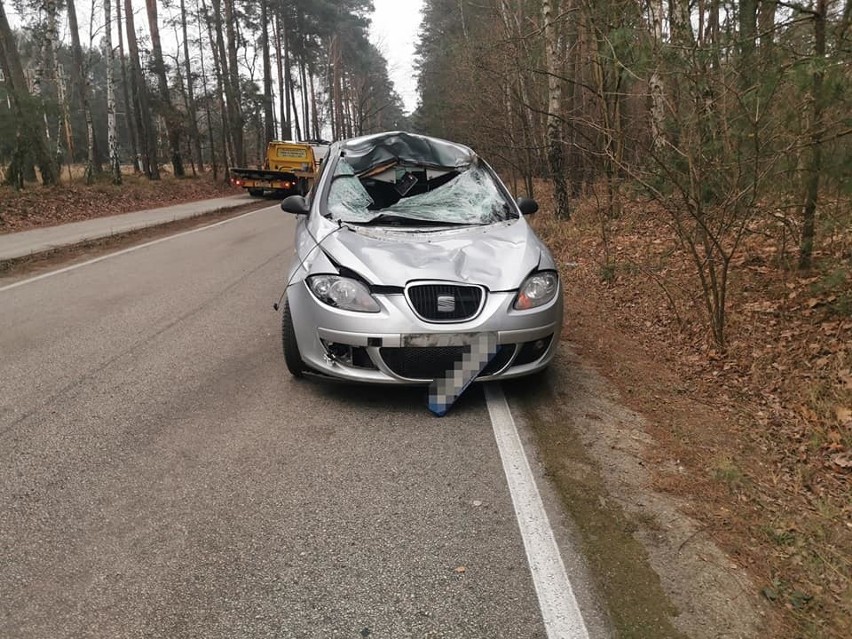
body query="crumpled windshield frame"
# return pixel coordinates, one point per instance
(377, 189)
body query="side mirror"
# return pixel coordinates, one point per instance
(527, 205)
(295, 204)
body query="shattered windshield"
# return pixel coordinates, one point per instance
(402, 192)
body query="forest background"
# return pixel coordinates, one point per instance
(693, 157)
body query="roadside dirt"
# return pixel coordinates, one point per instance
(660, 574)
(734, 478)
(38, 206)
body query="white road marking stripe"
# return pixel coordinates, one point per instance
(127, 250)
(562, 617)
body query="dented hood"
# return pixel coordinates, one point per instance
(497, 256)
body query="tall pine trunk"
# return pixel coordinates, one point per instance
(139, 88)
(49, 88)
(170, 114)
(221, 59)
(283, 95)
(232, 77)
(128, 106)
(314, 109)
(306, 115)
(288, 83)
(806, 247)
(210, 135)
(190, 90)
(296, 123)
(82, 83)
(555, 145)
(222, 88)
(268, 102)
(655, 84)
(31, 140)
(181, 88)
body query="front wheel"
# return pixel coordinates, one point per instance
(292, 357)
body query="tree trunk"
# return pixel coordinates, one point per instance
(62, 96)
(83, 88)
(128, 107)
(168, 111)
(303, 90)
(219, 65)
(306, 116)
(555, 145)
(283, 96)
(334, 73)
(314, 108)
(296, 121)
(268, 101)
(288, 84)
(211, 137)
(49, 88)
(190, 91)
(655, 84)
(232, 77)
(144, 124)
(112, 133)
(681, 25)
(843, 27)
(748, 41)
(523, 111)
(806, 248)
(181, 88)
(30, 137)
(766, 29)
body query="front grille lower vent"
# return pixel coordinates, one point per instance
(445, 302)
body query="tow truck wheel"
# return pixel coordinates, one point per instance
(256, 192)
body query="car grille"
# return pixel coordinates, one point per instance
(433, 362)
(445, 302)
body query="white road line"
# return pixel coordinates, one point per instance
(127, 250)
(562, 617)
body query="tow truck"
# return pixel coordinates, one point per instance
(289, 168)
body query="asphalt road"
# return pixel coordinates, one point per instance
(161, 475)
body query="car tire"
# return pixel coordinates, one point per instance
(256, 192)
(292, 357)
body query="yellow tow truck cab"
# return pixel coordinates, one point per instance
(289, 168)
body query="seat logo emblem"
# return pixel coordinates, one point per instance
(446, 304)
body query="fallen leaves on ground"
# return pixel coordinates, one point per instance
(37, 206)
(763, 427)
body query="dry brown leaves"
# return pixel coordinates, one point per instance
(38, 206)
(763, 428)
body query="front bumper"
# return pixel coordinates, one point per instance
(394, 346)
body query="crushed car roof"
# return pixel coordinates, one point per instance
(370, 151)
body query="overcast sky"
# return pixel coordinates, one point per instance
(396, 24)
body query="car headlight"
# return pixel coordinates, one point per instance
(538, 289)
(344, 293)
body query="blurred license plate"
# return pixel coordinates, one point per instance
(443, 339)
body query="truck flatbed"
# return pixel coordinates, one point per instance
(289, 168)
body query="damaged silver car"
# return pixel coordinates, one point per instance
(414, 262)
